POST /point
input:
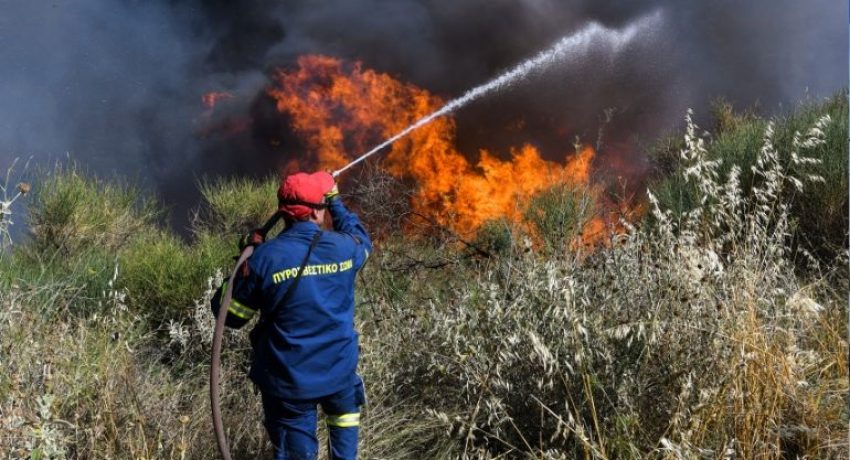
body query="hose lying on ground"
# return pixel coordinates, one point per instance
(215, 368)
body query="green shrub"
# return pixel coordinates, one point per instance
(235, 206)
(820, 212)
(215, 251)
(496, 237)
(77, 284)
(163, 276)
(71, 212)
(559, 214)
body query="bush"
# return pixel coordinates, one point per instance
(72, 212)
(383, 203)
(95, 387)
(820, 214)
(558, 216)
(233, 207)
(496, 237)
(163, 276)
(76, 285)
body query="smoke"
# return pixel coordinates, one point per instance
(116, 85)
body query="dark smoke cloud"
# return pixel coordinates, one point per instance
(116, 84)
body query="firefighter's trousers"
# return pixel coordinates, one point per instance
(291, 424)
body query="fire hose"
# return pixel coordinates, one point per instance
(256, 237)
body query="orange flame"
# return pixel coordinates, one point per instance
(340, 110)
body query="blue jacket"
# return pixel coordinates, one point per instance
(310, 347)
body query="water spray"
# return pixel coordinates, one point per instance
(570, 47)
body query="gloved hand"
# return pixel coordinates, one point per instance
(332, 194)
(253, 238)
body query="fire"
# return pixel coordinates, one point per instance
(211, 99)
(211, 123)
(340, 110)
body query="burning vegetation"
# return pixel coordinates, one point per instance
(339, 109)
(697, 335)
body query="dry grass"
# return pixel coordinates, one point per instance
(686, 338)
(689, 337)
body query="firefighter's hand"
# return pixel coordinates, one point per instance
(332, 194)
(253, 238)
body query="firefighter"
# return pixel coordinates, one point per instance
(305, 346)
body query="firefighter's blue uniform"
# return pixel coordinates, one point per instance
(307, 355)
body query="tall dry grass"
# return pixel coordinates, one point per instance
(690, 337)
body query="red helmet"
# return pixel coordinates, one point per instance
(300, 193)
